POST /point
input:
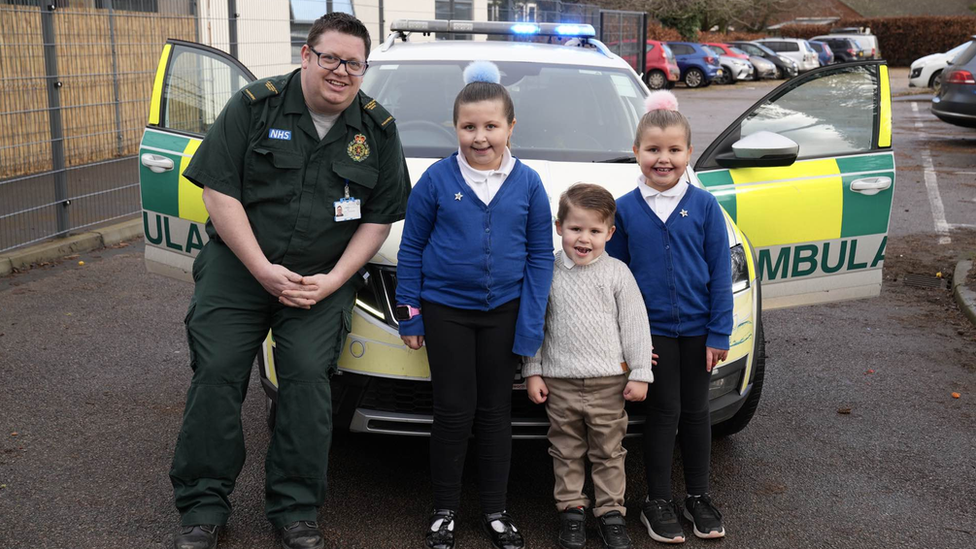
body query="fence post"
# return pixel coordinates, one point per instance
(54, 115)
(115, 78)
(642, 45)
(232, 26)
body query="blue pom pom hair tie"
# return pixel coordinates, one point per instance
(482, 71)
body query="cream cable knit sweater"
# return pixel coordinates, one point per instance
(595, 322)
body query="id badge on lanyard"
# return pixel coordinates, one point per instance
(347, 208)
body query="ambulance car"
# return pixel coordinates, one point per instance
(805, 177)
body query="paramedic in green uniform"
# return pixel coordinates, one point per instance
(280, 161)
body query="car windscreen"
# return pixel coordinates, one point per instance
(765, 49)
(562, 112)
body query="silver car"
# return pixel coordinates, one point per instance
(764, 68)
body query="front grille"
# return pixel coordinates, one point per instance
(416, 397)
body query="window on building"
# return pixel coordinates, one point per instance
(303, 15)
(454, 9)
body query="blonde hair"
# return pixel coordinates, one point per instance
(663, 119)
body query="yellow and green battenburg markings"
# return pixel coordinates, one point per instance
(169, 193)
(826, 208)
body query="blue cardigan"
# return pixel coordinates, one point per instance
(683, 267)
(457, 251)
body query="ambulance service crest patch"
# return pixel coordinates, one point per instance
(358, 149)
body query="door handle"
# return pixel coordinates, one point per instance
(871, 185)
(156, 163)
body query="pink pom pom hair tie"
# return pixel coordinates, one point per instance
(663, 100)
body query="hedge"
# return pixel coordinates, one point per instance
(901, 39)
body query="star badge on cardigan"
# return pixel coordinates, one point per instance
(684, 213)
(458, 196)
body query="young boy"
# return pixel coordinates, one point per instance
(596, 354)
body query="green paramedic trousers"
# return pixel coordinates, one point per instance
(228, 318)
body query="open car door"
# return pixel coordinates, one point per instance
(192, 84)
(808, 174)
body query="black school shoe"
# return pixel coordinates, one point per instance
(572, 528)
(706, 518)
(200, 536)
(440, 530)
(303, 534)
(661, 521)
(613, 530)
(508, 538)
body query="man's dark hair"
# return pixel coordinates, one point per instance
(339, 22)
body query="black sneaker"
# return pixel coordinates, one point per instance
(302, 534)
(502, 533)
(706, 518)
(613, 530)
(199, 536)
(661, 521)
(572, 528)
(440, 530)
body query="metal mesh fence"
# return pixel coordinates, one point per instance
(76, 80)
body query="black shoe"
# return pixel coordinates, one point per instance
(509, 537)
(613, 530)
(706, 518)
(661, 522)
(200, 536)
(440, 532)
(572, 528)
(303, 534)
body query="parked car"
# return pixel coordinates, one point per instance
(955, 102)
(725, 49)
(734, 68)
(865, 40)
(698, 65)
(785, 67)
(824, 53)
(845, 50)
(661, 70)
(808, 226)
(925, 71)
(765, 69)
(796, 49)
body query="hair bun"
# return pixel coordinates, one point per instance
(661, 100)
(482, 71)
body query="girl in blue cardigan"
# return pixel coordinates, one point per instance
(473, 275)
(673, 236)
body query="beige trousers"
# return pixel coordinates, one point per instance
(587, 420)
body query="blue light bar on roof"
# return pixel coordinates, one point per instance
(509, 28)
(525, 28)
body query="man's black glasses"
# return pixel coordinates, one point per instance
(331, 63)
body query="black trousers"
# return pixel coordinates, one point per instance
(472, 368)
(678, 400)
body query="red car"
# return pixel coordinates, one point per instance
(728, 50)
(661, 70)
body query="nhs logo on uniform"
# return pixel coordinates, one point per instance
(279, 134)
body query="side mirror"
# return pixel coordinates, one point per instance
(760, 150)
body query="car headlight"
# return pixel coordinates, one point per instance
(379, 294)
(740, 269)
